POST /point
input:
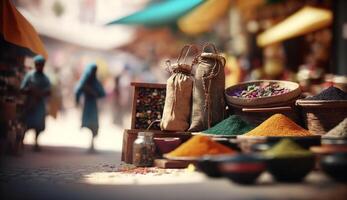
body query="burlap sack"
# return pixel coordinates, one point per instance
(208, 92)
(177, 108)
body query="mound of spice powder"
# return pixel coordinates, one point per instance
(233, 125)
(331, 93)
(339, 131)
(199, 146)
(278, 125)
(286, 148)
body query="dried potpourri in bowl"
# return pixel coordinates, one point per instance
(262, 93)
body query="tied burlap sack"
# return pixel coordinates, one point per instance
(208, 92)
(176, 113)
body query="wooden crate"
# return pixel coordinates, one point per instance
(148, 104)
(146, 94)
(130, 136)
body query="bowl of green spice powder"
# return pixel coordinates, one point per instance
(289, 162)
(228, 128)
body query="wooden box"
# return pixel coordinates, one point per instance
(147, 106)
(130, 136)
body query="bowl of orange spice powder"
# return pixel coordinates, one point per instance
(196, 147)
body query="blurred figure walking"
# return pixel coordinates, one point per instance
(37, 87)
(91, 89)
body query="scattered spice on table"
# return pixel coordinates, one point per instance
(200, 145)
(278, 125)
(132, 169)
(233, 125)
(331, 93)
(339, 131)
(266, 89)
(149, 107)
(286, 148)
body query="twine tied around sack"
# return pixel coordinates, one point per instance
(182, 68)
(152, 123)
(206, 79)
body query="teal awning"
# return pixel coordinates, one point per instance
(162, 13)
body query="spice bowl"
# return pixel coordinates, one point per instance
(329, 146)
(242, 168)
(209, 165)
(335, 166)
(293, 92)
(290, 169)
(320, 116)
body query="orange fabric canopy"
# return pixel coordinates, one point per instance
(17, 30)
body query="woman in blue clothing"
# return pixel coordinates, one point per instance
(91, 89)
(37, 87)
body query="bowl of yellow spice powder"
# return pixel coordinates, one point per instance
(275, 128)
(288, 162)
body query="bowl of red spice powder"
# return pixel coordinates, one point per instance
(242, 168)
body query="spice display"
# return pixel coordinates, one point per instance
(331, 93)
(149, 107)
(199, 146)
(265, 89)
(233, 125)
(178, 100)
(339, 131)
(286, 148)
(144, 149)
(278, 125)
(208, 93)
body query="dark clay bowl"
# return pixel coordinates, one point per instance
(290, 169)
(209, 165)
(242, 168)
(335, 165)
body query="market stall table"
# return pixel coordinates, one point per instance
(181, 184)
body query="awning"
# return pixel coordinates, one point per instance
(17, 30)
(85, 35)
(306, 20)
(161, 13)
(203, 17)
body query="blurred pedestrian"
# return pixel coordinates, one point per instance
(37, 87)
(91, 89)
